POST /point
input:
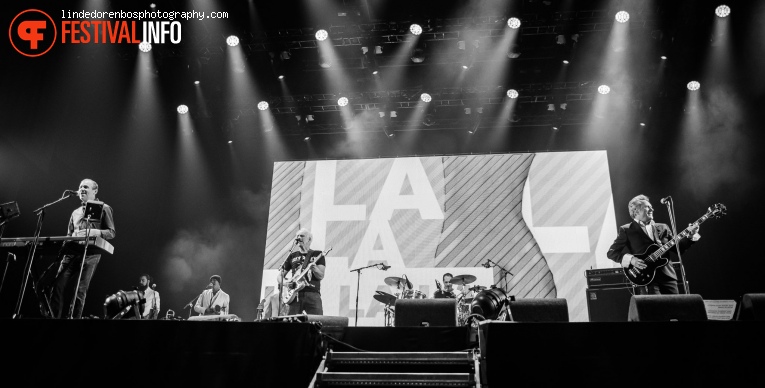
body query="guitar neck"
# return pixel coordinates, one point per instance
(685, 233)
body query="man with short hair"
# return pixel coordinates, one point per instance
(69, 269)
(308, 299)
(635, 237)
(213, 301)
(447, 290)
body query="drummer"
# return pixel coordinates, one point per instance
(447, 291)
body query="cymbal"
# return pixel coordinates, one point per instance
(463, 279)
(477, 288)
(397, 282)
(384, 297)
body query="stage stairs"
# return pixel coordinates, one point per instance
(399, 369)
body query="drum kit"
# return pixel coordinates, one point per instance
(405, 291)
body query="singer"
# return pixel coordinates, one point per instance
(638, 235)
(309, 297)
(150, 307)
(69, 269)
(213, 301)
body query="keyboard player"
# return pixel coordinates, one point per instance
(69, 270)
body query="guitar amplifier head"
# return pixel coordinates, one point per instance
(606, 278)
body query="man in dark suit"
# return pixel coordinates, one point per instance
(638, 235)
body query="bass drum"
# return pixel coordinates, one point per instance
(414, 294)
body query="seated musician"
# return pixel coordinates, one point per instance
(150, 308)
(447, 290)
(213, 301)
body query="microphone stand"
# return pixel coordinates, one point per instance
(190, 305)
(671, 210)
(502, 271)
(358, 283)
(44, 305)
(82, 266)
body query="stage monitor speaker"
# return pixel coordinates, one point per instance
(539, 310)
(426, 312)
(608, 304)
(752, 308)
(328, 320)
(646, 308)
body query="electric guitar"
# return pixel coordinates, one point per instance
(289, 293)
(655, 256)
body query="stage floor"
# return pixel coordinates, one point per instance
(277, 354)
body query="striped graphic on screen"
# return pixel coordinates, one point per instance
(571, 189)
(284, 211)
(484, 221)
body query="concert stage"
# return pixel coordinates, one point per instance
(277, 354)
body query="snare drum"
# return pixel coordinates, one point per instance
(414, 294)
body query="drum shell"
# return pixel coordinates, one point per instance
(413, 294)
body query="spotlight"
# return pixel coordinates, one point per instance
(307, 139)
(663, 57)
(322, 35)
(196, 82)
(230, 141)
(342, 101)
(183, 109)
(489, 303)
(565, 61)
(622, 16)
(153, 6)
(513, 23)
(642, 124)
(263, 105)
(232, 40)
(722, 11)
(465, 67)
(375, 72)
(415, 29)
(694, 85)
(120, 303)
(144, 46)
(512, 93)
(425, 97)
(603, 89)
(281, 76)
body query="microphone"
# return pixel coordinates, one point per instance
(665, 200)
(384, 267)
(209, 286)
(11, 254)
(487, 264)
(71, 192)
(154, 286)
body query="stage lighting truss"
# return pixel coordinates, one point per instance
(322, 35)
(622, 16)
(415, 29)
(263, 105)
(694, 85)
(425, 97)
(183, 109)
(514, 23)
(512, 93)
(342, 101)
(144, 46)
(232, 40)
(722, 11)
(604, 89)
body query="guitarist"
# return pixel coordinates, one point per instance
(638, 235)
(309, 298)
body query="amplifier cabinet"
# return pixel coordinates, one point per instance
(609, 304)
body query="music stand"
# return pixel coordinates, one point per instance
(93, 210)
